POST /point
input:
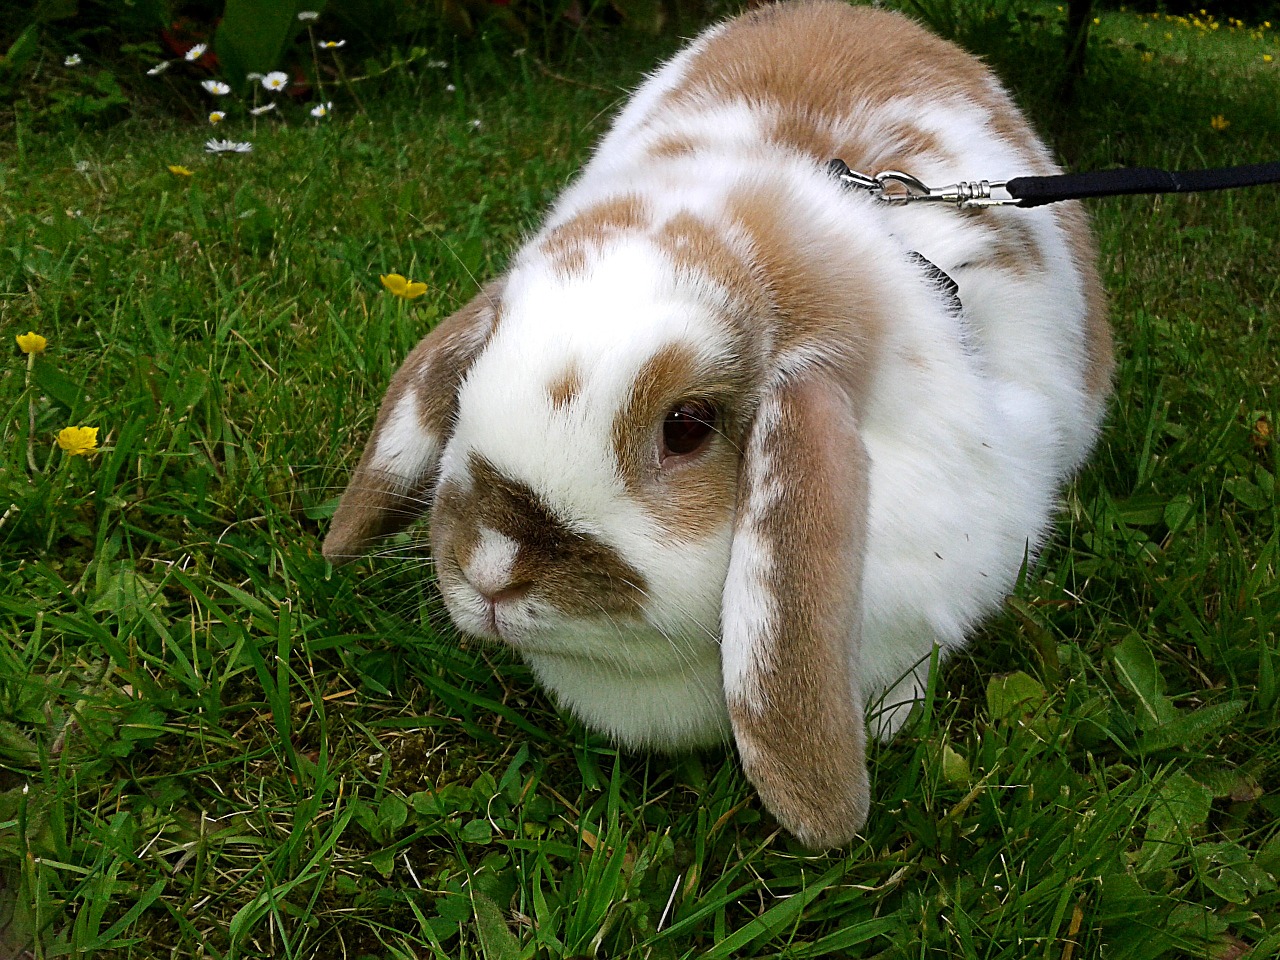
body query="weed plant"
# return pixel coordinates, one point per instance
(212, 745)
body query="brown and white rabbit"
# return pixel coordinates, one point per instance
(717, 455)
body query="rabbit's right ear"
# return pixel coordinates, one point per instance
(792, 619)
(391, 485)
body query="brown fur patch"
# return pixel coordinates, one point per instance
(672, 146)
(814, 61)
(830, 303)
(1097, 328)
(565, 388)
(376, 504)
(694, 247)
(569, 245)
(1013, 249)
(575, 573)
(801, 730)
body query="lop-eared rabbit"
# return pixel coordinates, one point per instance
(718, 455)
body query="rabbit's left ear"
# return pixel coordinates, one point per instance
(792, 618)
(391, 485)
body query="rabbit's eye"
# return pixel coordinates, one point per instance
(687, 426)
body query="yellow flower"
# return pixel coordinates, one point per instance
(1267, 58)
(1148, 57)
(31, 342)
(78, 441)
(1219, 123)
(408, 289)
(178, 171)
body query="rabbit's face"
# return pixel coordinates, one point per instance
(584, 508)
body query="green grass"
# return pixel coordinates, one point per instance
(212, 745)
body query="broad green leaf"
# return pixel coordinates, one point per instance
(1136, 667)
(955, 768)
(1191, 728)
(63, 391)
(1013, 695)
(479, 830)
(1227, 870)
(1178, 813)
(497, 942)
(384, 861)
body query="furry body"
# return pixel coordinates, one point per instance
(881, 465)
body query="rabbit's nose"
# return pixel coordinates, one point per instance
(490, 567)
(495, 596)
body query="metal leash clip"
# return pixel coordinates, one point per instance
(893, 186)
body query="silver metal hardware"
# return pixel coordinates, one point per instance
(896, 187)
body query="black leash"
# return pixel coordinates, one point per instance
(892, 186)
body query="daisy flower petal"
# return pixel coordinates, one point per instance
(227, 146)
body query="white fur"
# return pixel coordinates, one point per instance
(490, 565)
(403, 447)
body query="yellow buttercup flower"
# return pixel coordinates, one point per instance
(31, 342)
(78, 441)
(1219, 123)
(179, 171)
(408, 289)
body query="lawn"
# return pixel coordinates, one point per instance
(211, 744)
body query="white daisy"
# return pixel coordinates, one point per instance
(253, 77)
(159, 68)
(217, 116)
(475, 124)
(216, 87)
(196, 52)
(265, 108)
(450, 88)
(332, 44)
(437, 64)
(227, 146)
(306, 16)
(72, 61)
(276, 80)
(322, 109)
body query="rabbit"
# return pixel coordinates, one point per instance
(718, 454)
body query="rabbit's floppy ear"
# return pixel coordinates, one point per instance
(391, 485)
(792, 618)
